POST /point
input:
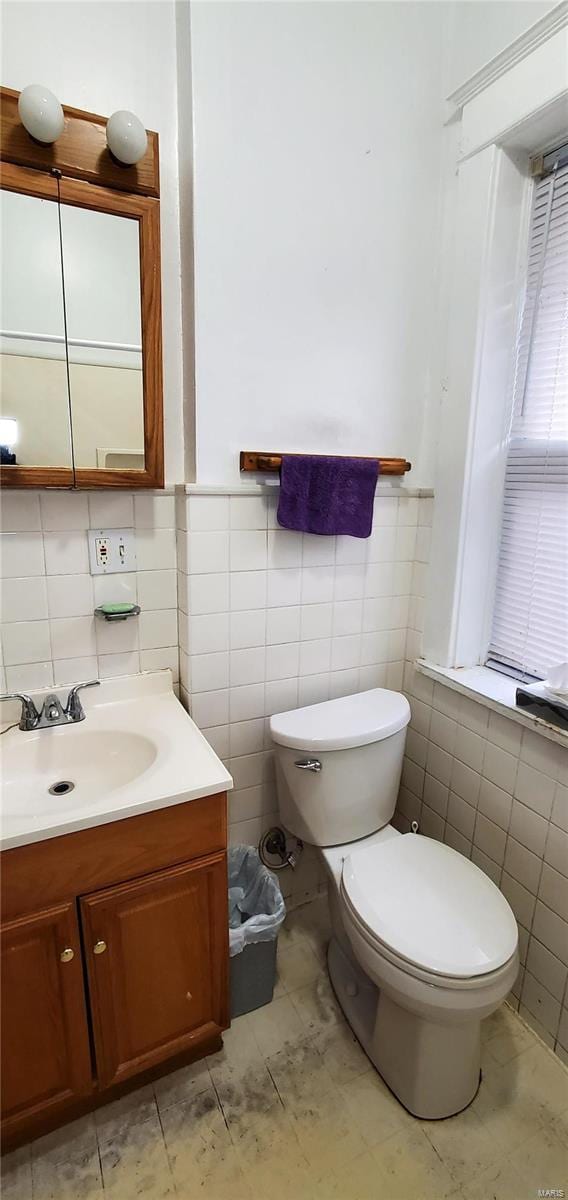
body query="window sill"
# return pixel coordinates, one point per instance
(494, 690)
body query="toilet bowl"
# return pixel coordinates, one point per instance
(424, 944)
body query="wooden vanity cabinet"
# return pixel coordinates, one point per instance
(46, 1061)
(152, 948)
(123, 968)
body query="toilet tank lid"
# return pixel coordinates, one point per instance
(340, 724)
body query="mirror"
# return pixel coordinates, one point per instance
(34, 396)
(101, 272)
(73, 400)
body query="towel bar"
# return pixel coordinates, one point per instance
(259, 460)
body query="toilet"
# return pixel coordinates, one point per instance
(424, 944)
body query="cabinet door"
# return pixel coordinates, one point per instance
(45, 1043)
(157, 959)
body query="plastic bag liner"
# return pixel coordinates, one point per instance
(256, 904)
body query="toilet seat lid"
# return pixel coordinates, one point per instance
(431, 906)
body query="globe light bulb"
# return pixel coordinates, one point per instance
(41, 113)
(126, 137)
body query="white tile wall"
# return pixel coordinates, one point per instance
(497, 793)
(271, 619)
(49, 635)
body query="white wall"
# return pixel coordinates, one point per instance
(480, 29)
(317, 163)
(103, 57)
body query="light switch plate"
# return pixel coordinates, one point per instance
(111, 551)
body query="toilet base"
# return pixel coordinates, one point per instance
(432, 1069)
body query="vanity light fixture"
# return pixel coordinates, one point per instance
(41, 113)
(126, 137)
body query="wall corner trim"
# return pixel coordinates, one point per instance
(549, 25)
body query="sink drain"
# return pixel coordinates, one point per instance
(61, 788)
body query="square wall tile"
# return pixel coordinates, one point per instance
(504, 733)
(313, 689)
(157, 589)
(247, 666)
(247, 629)
(436, 795)
(553, 891)
(72, 670)
(115, 589)
(153, 511)
(249, 550)
(74, 637)
(116, 637)
(556, 849)
(495, 803)
(547, 969)
(490, 838)
(66, 553)
(64, 510)
(207, 552)
(282, 662)
(469, 747)
(461, 816)
(125, 663)
(19, 511)
(350, 550)
(70, 595)
(161, 659)
(21, 555)
(23, 599)
(155, 547)
(443, 731)
(248, 512)
(157, 629)
(500, 767)
(528, 828)
(111, 510)
(534, 789)
(208, 512)
(248, 589)
(246, 703)
(210, 672)
(465, 782)
(551, 930)
(439, 763)
(208, 594)
(283, 625)
(284, 549)
(26, 642)
(210, 708)
(317, 585)
(29, 677)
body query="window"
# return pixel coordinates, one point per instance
(530, 622)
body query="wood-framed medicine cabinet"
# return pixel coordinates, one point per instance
(81, 401)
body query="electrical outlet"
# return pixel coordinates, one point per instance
(111, 551)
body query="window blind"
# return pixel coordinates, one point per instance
(530, 622)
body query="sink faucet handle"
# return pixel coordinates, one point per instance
(29, 716)
(74, 708)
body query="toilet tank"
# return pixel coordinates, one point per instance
(338, 765)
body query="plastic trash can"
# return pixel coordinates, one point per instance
(256, 912)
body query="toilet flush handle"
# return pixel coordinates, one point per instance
(308, 764)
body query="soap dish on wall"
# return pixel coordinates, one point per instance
(117, 612)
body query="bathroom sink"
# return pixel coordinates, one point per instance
(136, 750)
(71, 765)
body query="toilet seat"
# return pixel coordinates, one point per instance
(428, 910)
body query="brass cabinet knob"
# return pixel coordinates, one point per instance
(99, 947)
(67, 954)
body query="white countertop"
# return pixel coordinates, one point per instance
(136, 751)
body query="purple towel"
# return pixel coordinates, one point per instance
(326, 495)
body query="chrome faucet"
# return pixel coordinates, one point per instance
(52, 712)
